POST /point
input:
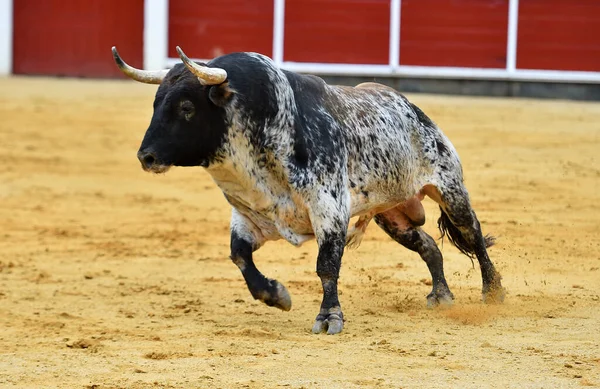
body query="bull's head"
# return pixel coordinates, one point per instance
(189, 122)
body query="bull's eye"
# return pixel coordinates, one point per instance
(187, 109)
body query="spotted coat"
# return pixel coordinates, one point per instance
(327, 153)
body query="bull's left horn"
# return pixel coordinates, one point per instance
(206, 75)
(145, 76)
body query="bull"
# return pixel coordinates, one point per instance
(297, 158)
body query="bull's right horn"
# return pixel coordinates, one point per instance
(145, 76)
(206, 75)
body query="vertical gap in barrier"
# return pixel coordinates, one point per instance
(156, 34)
(6, 36)
(278, 30)
(511, 47)
(394, 34)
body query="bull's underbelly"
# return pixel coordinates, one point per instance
(279, 213)
(283, 218)
(287, 218)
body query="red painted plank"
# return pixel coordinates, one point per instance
(209, 28)
(337, 31)
(559, 35)
(459, 33)
(74, 37)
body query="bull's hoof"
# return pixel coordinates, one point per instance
(440, 298)
(494, 295)
(330, 321)
(276, 295)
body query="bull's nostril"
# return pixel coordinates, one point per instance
(148, 160)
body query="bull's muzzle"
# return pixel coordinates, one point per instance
(150, 162)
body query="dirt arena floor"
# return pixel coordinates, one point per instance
(114, 278)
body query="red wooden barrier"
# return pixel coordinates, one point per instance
(209, 28)
(559, 35)
(74, 37)
(461, 33)
(337, 31)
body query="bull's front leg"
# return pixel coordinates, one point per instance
(244, 241)
(329, 260)
(329, 217)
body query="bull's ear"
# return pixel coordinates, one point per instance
(221, 94)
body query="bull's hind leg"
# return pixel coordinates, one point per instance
(400, 227)
(243, 243)
(459, 222)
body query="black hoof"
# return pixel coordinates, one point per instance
(275, 295)
(494, 292)
(494, 295)
(331, 321)
(437, 299)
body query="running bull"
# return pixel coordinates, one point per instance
(297, 158)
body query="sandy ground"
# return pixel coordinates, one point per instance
(114, 278)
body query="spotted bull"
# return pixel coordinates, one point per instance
(297, 159)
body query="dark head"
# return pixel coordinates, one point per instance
(189, 123)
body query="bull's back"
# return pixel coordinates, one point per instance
(385, 142)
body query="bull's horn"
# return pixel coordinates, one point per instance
(146, 76)
(206, 75)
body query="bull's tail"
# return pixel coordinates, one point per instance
(455, 236)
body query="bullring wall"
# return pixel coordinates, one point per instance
(454, 46)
